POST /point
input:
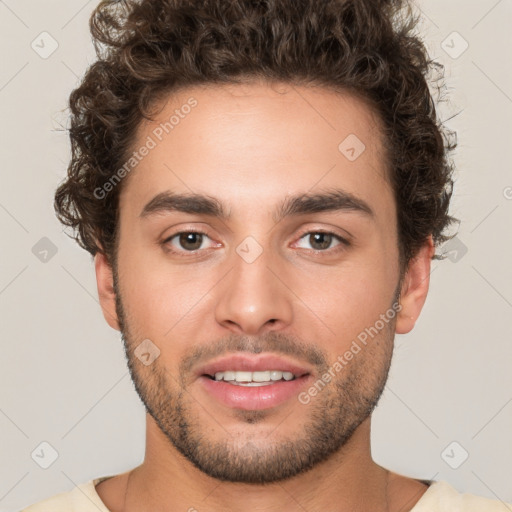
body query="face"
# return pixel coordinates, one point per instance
(258, 319)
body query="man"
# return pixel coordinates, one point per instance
(263, 185)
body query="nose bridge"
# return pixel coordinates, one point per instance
(252, 298)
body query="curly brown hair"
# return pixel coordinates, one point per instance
(147, 49)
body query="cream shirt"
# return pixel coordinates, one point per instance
(439, 497)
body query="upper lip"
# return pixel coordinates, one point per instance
(253, 363)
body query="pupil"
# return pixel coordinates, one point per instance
(321, 236)
(186, 238)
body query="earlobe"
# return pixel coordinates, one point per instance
(106, 293)
(415, 288)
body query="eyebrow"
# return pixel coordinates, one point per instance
(334, 200)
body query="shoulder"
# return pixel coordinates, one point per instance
(83, 498)
(442, 497)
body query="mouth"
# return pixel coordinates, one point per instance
(248, 382)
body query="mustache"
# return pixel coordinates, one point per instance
(273, 342)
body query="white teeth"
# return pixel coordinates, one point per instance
(243, 376)
(261, 378)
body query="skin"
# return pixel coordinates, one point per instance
(250, 146)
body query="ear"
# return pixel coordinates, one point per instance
(107, 296)
(415, 287)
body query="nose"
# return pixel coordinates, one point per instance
(252, 298)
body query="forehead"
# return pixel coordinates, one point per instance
(258, 140)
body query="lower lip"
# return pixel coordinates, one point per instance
(253, 398)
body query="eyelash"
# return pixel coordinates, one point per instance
(342, 246)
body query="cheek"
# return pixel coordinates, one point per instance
(342, 302)
(162, 300)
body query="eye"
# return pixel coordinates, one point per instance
(185, 241)
(322, 240)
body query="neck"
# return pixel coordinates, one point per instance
(350, 479)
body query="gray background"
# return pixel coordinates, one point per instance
(64, 380)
